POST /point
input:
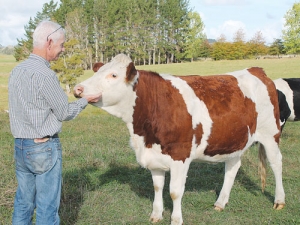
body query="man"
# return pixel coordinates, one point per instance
(37, 107)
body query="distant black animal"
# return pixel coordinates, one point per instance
(288, 90)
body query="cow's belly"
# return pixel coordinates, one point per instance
(150, 158)
(223, 155)
(219, 157)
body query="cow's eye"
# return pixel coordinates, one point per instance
(114, 75)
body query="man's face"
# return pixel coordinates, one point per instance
(55, 48)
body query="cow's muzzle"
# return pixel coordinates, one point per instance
(78, 90)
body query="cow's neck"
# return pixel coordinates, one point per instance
(124, 109)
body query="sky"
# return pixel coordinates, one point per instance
(220, 17)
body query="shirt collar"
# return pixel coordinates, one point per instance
(39, 58)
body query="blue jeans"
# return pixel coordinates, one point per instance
(39, 176)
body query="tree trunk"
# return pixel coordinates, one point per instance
(149, 57)
(158, 61)
(68, 90)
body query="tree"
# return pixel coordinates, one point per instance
(205, 49)
(25, 46)
(238, 49)
(291, 31)
(256, 46)
(76, 28)
(195, 36)
(174, 14)
(69, 64)
(221, 48)
(277, 48)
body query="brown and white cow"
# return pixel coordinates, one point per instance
(174, 120)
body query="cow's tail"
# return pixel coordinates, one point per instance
(262, 165)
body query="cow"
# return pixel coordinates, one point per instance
(289, 99)
(96, 66)
(174, 120)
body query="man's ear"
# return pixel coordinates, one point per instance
(49, 43)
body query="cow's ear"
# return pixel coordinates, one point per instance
(97, 66)
(131, 72)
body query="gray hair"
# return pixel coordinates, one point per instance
(46, 30)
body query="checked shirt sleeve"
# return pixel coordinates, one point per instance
(58, 100)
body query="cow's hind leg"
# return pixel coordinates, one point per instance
(275, 159)
(231, 168)
(158, 177)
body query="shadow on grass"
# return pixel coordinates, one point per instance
(201, 177)
(75, 184)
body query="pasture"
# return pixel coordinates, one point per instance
(103, 183)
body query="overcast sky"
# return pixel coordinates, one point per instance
(219, 17)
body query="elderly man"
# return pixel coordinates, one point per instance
(37, 107)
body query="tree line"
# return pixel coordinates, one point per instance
(150, 32)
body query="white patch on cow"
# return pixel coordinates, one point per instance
(246, 83)
(196, 108)
(150, 158)
(109, 80)
(255, 89)
(284, 87)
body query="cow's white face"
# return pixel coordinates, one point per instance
(111, 80)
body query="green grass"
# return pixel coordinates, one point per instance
(103, 184)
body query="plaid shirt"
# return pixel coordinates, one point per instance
(37, 103)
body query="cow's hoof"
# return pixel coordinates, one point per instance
(278, 206)
(219, 209)
(155, 219)
(176, 221)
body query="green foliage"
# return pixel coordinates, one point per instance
(239, 49)
(69, 64)
(277, 47)
(205, 49)
(291, 32)
(25, 46)
(221, 49)
(195, 38)
(257, 46)
(151, 32)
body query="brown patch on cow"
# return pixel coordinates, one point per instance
(231, 112)
(97, 66)
(198, 133)
(260, 74)
(130, 72)
(161, 116)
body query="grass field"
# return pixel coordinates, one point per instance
(103, 184)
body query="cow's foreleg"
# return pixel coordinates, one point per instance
(231, 168)
(178, 172)
(158, 177)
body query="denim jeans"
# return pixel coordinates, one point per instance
(39, 176)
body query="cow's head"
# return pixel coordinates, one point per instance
(115, 80)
